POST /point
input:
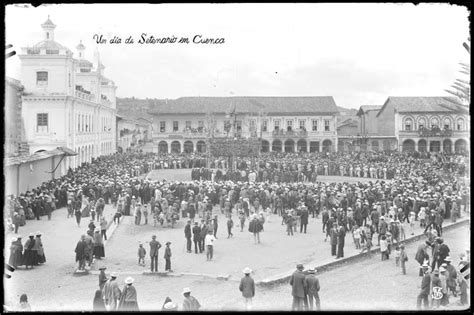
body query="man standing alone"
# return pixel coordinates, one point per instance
(247, 287)
(187, 235)
(298, 288)
(154, 247)
(341, 235)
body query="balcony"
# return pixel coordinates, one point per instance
(435, 132)
(290, 133)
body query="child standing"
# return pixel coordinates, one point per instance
(141, 254)
(403, 259)
(230, 224)
(397, 256)
(356, 235)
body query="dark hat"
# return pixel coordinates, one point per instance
(102, 268)
(299, 267)
(168, 243)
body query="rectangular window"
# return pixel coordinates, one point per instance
(69, 79)
(408, 125)
(326, 125)
(314, 123)
(276, 124)
(238, 125)
(303, 124)
(42, 122)
(41, 78)
(265, 125)
(201, 124)
(188, 124)
(289, 125)
(162, 126)
(175, 126)
(252, 125)
(78, 122)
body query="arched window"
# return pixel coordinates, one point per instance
(434, 123)
(447, 123)
(408, 124)
(460, 124)
(421, 124)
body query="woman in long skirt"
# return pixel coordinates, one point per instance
(29, 254)
(78, 215)
(40, 250)
(98, 250)
(16, 256)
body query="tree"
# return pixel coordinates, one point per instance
(461, 88)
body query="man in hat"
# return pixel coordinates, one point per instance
(312, 288)
(298, 288)
(154, 247)
(187, 235)
(197, 237)
(80, 252)
(111, 292)
(425, 288)
(451, 275)
(167, 257)
(190, 303)
(102, 278)
(247, 287)
(333, 238)
(128, 298)
(444, 284)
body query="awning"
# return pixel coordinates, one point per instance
(67, 151)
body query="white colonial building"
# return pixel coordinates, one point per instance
(425, 124)
(67, 101)
(289, 124)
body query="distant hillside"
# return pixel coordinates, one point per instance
(136, 107)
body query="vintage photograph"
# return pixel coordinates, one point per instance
(237, 157)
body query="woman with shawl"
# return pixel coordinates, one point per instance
(128, 299)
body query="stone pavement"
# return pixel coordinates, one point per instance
(323, 264)
(60, 234)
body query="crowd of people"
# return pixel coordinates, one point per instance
(423, 190)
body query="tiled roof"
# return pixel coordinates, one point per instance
(418, 104)
(15, 160)
(247, 104)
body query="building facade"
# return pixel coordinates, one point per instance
(13, 122)
(426, 124)
(375, 134)
(67, 101)
(284, 124)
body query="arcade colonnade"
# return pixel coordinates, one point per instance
(276, 145)
(435, 145)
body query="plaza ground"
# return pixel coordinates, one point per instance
(53, 286)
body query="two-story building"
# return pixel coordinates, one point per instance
(67, 101)
(426, 124)
(289, 124)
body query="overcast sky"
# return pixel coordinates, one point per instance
(358, 53)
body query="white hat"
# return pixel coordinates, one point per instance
(247, 270)
(171, 306)
(114, 274)
(129, 280)
(442, 269)
(31, 234)
(448, 258)
(186, 290)
(14, 239)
